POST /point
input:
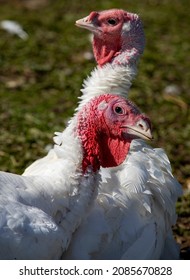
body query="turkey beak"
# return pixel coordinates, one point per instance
(87, 24)
(141, 129)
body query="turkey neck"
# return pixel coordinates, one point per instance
(114, 78)
(118, 52)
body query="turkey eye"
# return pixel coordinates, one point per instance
(119, 110)
(112, 21)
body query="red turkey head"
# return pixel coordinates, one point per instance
(115, 31)
(106, 127)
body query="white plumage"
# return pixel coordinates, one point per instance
(133, 212)
(38, 213)
(117, 80)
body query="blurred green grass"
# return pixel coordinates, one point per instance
(40, 78)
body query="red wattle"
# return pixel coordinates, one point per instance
(113, 151)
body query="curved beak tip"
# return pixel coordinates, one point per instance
(149, 135)
(137, 131)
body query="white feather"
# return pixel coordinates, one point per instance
(14, 27)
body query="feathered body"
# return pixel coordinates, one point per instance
(132, 215)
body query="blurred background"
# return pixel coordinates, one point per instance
(42, 67)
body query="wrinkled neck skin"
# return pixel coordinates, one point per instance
(112, 151)
(130, 52)
(100, 148)
(104, 52)
(107, 153)
(122, 53)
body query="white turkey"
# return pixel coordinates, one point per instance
(39, 213)
(134, 210)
